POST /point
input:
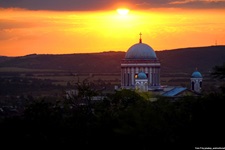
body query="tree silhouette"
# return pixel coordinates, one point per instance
(219, 73)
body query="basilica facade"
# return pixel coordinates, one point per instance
(140, 68)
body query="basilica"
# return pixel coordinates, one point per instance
(140, 70)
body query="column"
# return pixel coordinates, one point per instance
(150, 75)
(124, 77)
(159, 76)
(153, 76)
(149, 81)
(132, 76)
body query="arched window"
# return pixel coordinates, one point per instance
(192, 85)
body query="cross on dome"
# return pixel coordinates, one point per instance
(140, 40)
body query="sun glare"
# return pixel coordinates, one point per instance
(123, 11)
(114, 29)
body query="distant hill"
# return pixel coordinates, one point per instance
(187, 59)
(175, 60)
(105, 62)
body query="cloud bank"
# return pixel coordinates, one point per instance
(80, 5)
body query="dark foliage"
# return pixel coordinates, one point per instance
(219, 72)
(124, 120)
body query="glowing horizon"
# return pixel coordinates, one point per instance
(25, 32)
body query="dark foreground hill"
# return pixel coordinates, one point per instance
(178, 60)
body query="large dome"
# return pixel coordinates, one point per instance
(140, 51)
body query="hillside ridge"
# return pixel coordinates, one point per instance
(174, 60)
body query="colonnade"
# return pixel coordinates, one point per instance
(130, 71)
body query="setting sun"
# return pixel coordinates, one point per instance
(123, 11)
(56, 32)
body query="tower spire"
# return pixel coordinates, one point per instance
(140, 40)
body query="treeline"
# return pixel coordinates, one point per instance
(123, 120)
(17, 85)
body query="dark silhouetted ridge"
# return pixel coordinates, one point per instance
(176, 60)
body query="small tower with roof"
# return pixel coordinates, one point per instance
(196, 81)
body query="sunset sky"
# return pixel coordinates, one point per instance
(87, 26)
